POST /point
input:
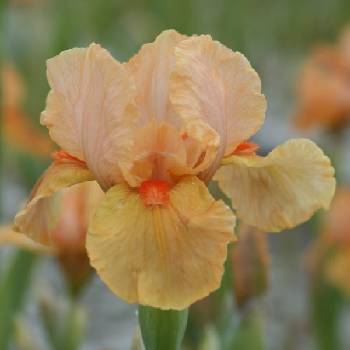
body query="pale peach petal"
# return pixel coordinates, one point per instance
(151, 68)
(213, 83)
(90, 108)
(166, 256)
(282, 189)
(41, 213)
(163, 152)
(77, 205)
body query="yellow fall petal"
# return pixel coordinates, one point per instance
(213, 83)
(163, 256)
(280, 190)
(41, 213)
(90, 108)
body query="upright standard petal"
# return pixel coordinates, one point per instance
(41, 213)
(151, 68)
(165, 256)
(281, 190)
(212, 82)
(90, 108)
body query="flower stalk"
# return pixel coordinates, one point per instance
(162, 329)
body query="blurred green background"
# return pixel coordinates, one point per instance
(275, 35)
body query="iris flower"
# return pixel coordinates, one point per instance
(250, 265)
(153, 132)
(64, 233)
(17, 127)
(330, 253)
(323, 91)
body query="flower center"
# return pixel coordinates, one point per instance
(154, 192)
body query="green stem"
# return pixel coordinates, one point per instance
(162, 329)
(326, 306)
(13, 288)
(2, 31)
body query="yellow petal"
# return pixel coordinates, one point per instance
(41, 213)
(89, 108)
(10, 238)
(151, 68)
(164, 256)
(213, 83)
(281, 190)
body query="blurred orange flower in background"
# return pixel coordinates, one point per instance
(250, 265)
(323, 90)
(64, 225)
(18, 129)
(331, 250)
(153, 132)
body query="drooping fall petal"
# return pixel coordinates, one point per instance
(90, 108)
(213, 83)
(41, 213)
(8, 237)
(280, 190)
(166, 256)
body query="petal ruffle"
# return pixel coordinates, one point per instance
(213, 83)
(163, 152)
(164, 256)
(281, 190)
(41, 214)
(90, 108)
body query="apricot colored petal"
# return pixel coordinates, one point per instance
(213, 83)
(280, 190)
(324, 95)
(163, 256)
(22, 134)
(151, 68)
(90, 108)
(13, 89)
(41, 213)
(8, 237)
(163, 152)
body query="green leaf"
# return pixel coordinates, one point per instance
(162, 329)
(249, 333)
(13, 287)
(326, 307)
